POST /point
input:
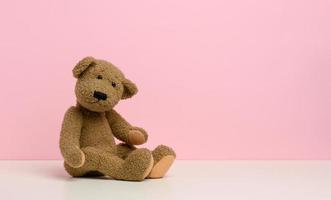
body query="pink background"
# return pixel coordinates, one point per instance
(218, 79)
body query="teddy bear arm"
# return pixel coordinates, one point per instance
(119, 126)
(124, 131)
(69, 138)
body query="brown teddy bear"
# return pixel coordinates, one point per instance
(87, 143)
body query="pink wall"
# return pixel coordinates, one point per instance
(218, 79)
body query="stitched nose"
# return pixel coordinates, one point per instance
(99, 95)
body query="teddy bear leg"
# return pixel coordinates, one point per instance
(123, 150)
(104, 162)
(163, 157)
(135, 167)
(138, 164)
(81, 171)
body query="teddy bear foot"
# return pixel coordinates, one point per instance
(149, 169)
(161, 168)
(163, 156)
(138, 165)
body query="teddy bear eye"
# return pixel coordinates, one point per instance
(99, 77)
(113, 84)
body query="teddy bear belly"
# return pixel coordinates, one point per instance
(96, 136)
(96, 131)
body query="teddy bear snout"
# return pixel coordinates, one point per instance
(99, 95)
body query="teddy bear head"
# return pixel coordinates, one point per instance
(100, 85)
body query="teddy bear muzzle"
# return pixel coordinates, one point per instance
(100, 95)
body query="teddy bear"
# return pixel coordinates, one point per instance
(88, 129)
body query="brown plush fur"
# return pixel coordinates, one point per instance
(87, 143)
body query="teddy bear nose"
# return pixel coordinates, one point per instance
(99, 95)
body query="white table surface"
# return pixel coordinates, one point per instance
(225, 180)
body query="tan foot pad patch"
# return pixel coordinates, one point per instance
(161, 168)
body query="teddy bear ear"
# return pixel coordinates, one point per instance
(82, 65)
(130, 89)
